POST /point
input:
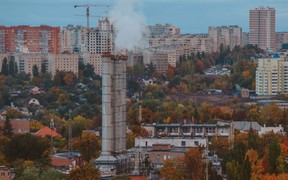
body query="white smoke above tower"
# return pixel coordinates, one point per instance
(129, 23)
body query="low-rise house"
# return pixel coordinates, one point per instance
(5, 173)
(46, 131)
(19, 126)
(277, 130)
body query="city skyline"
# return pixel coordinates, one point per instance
(191, 17)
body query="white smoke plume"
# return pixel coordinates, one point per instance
(129, 23)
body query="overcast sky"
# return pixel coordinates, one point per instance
(192, 16)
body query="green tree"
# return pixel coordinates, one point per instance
(11, 67)
(274, 154)
(7, 128)
(33, 173)
(86, 171)
(5, 68)
(233, 170)
(26, 147)
(35, 71)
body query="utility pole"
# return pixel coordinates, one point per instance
(70, 135)
(140, 121)
(51, 137)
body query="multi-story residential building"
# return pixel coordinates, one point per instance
(74, 39)
(95, 60)
(228, 36)
(101, 39)
(63, 62)
(272, 76)
(42, 39)
(163, 30)
(281, 38)
(26, 61)
(158, 59)
(262, 28)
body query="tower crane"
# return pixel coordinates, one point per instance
(88, 9)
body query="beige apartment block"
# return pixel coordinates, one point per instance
(63, 62)
(262, 28)
(26, 61)
(95, 60)
(272, 76)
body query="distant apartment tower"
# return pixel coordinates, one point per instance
(42, 39)
(272, 76)
(228, 36)
(163, 30)
(262, 28)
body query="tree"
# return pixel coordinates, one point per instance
(27, 147)
(40, 174)
(256, 164)
(89, 146)
(85, 171)
(4, 68)
(173, 169)
(274, 156)
(7, 128)
(11, 67)
(35, 71)
(233, 170)
(194, 164)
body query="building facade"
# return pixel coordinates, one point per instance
(228, 36)
(163, 30)
(262, 28)
(63, 62)
(42, 39)
(272, 76)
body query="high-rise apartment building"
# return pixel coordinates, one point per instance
(101, 39)
(228, 36)
(262, 28)
(42, 39)
(272, 76)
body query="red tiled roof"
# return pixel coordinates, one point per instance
(46, 131)
(60, 161)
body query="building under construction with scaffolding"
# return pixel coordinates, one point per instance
(113, 159)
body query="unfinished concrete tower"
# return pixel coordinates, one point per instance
(113, 159)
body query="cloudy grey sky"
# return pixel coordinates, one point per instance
(192, 16)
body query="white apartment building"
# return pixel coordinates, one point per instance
(272, 76)
(63, 62)
(163, 30)
(227, 35)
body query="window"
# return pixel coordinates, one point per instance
(146, 143)
(196, 143)
(2, 174)
(132, 156)
(183, 143)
